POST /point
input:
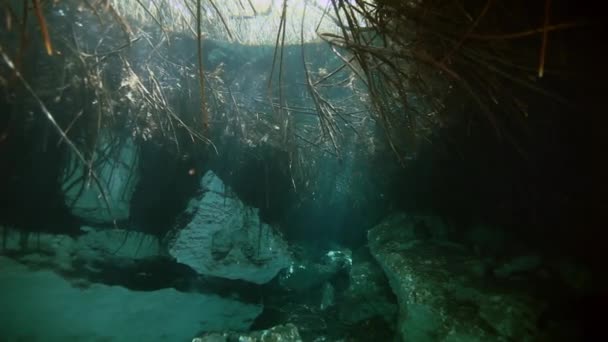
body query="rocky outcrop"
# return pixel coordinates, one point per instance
(441, 291)
(368, 294)
(220, 236)
(115, 166)
(92, 246)
(280, 333)
(305, 275)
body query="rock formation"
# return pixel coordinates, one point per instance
(221, 236)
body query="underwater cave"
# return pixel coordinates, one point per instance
(302, 170)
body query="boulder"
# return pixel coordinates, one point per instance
(116, 168)
(441, 295)
(519, 264)
(368, 294)
(305, 275)
(92, 246)
(414, 227)
(116, 243)
(218, 235)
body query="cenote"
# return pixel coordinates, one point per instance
(302, 170)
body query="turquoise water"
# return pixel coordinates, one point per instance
(316, 192)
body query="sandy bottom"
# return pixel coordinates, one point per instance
(39, 305)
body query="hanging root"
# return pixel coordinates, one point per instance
(43, 28)
(58, 128)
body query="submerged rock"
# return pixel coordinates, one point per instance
(108, 256)
(220, 236)
(306, 275)
(94, 245)
(368, 294)
(280, 333)
(520, 264)
(117, 243)
(440, 299)
(418, 227)
(340, 259)
(116, 168)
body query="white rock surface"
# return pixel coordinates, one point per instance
(39, 305)
(118, 177)
(225, 238)
(440, 299)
